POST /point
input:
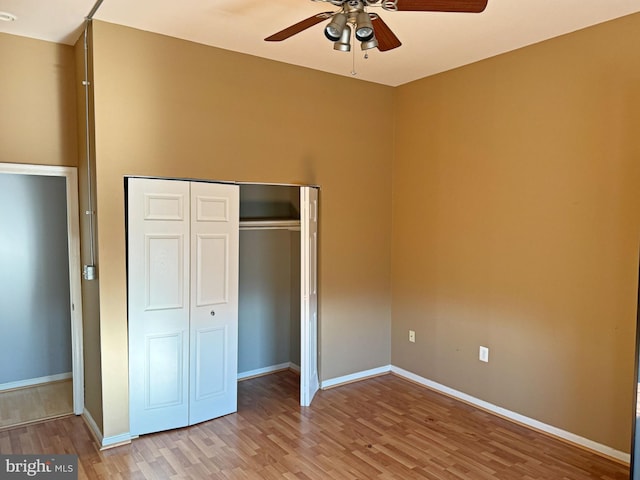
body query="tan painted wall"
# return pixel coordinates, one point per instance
(171, 108)
(90, 289)
(516, 225)
(38, 121)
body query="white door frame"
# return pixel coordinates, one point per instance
(75, 283)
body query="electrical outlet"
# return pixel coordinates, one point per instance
(484, 354)
(412, 336)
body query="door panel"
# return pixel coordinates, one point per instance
(309, 382)
(158, 253)
(212, 264)
(211, 345)
(212, 209)
(164, 272)
(214, 300)
(163, 375)
(164, 206)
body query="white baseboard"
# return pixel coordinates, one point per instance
(354, 377)
(30, 382)
(115, 441)
(294, 367)
(267, 370)
(516, 417)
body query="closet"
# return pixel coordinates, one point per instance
(269, 295)
(192, 330)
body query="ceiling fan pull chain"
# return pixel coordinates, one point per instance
(353, 60)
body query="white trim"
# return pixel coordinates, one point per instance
(264, 371)
(115, 441)
(28, 169)
(75, 290)
(294, 367)
(30, 382)
(354, 377)
(516, 417)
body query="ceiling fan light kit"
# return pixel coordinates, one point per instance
(333, 31)
(370, 30)
(364, 30)
(369, 44)
(343, 44)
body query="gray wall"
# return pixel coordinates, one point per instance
(269, 201)
(294, 356)
(266, 304)
(269, 303)
(34, 278)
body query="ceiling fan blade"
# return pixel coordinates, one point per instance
(386, 38)
(299, 27)
(468, 6)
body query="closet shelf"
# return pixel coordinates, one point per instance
(270, 224)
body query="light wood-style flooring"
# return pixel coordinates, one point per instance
(30, 404)
(380, 428)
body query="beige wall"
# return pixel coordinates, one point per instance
(166, 107)
(38, 122)
(90, 288)
(516, 225)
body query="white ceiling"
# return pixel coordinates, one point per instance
(432, 42)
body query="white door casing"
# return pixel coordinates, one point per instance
(183, 265)
(215, 237)
(309, 382)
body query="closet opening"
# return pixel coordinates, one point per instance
(269, 283)
(222, 286)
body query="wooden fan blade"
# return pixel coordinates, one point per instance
(386, 38)
(299, 27)
(465, 6)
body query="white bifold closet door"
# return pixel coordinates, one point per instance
(309, 383)
(183, 302)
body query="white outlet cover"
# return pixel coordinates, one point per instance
(484, 354)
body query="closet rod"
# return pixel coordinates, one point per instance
(293, 225)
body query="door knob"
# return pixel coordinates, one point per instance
(213, 313)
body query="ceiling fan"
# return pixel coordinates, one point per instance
(370, 30)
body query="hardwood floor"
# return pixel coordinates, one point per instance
(30, 404)
(381, 428)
